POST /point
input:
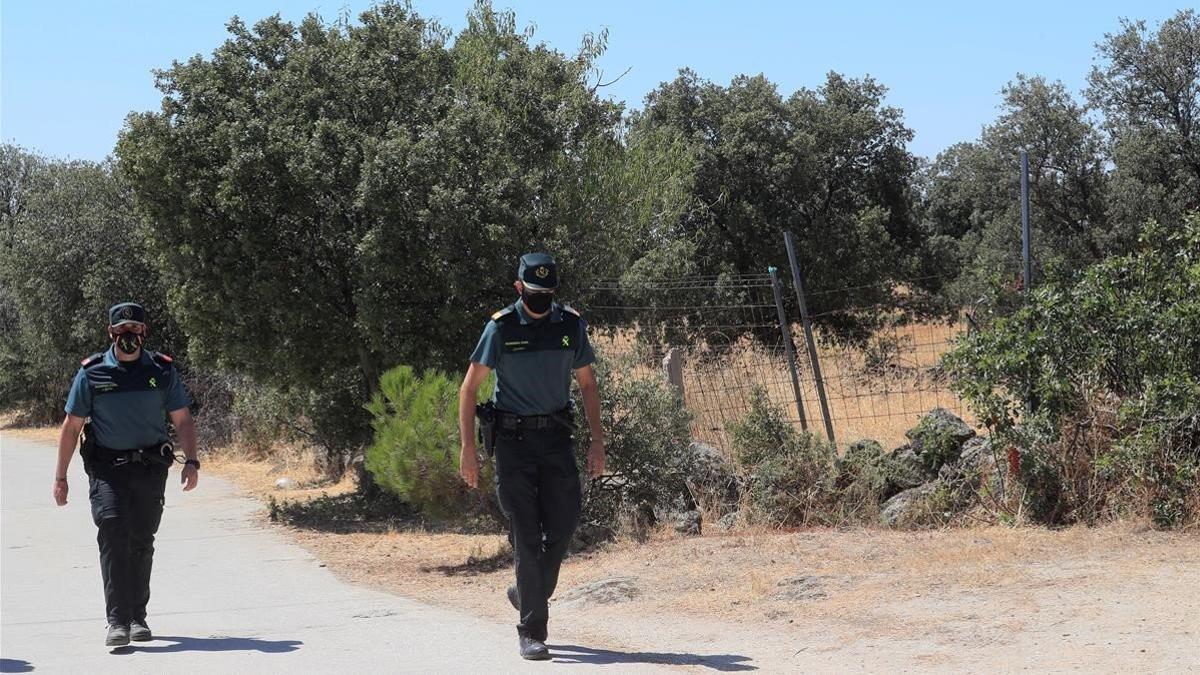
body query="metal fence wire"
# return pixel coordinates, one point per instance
(730, 336)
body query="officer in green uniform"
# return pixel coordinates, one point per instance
(534, 345)
(128, 393)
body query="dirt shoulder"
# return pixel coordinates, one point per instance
(992, 598)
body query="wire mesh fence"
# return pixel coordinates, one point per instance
(730, 335)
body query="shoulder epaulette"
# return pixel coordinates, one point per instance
(164, 359)
(92, 360)
(503, 313)
(571, 310)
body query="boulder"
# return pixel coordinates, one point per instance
(728, 521)
(687, 522)
(603, 592)
(975, 460)
(286, 483)
(900, 508)
(904, 470)
(938, 438)
(712, 478)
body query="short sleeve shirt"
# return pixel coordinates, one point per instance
(127, 402)
(534, 358)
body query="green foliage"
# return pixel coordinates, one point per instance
(829, 164)
(790, 476)
(1112, 363)
(416, 446)
(973, 195)
(318, 190)
(1148, 85)
(70, 248)
(646, 435)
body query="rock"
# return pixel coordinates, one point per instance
(588, 535)
(727, 521)
(286, 483)
(975, 461)
(800, 588)
(712, 478)
(603, 592)
(900, 507)
(687, 522)
(904, 470)
(938, 438)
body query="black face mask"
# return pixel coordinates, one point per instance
(538, 303)
(129, 343)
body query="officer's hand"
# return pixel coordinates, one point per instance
(60, 492)
(469, 466)
(189, 477)
(595, 460)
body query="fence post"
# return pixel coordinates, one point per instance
(1026, 258)
(788, 347)
(672, 365)
(808, 335)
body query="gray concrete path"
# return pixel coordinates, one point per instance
(228, 596)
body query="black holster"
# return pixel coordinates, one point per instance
(487, 416)
(87, 448)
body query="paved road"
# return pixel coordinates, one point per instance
(228, 595)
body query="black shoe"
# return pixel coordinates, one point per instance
(514, 597)
(139, 631)
(533, 650)
(118, 635)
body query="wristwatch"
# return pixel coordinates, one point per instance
(193, 462)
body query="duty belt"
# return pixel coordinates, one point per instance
(513, 421)
(163, 454)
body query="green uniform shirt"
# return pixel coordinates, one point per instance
(533, 359)
(128, 403)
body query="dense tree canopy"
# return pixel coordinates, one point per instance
(70, 248)
(331, 200)
(829, 164)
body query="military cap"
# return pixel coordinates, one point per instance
(125, 313)
(538, 272)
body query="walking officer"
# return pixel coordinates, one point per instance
(128, 393)
(534, 345)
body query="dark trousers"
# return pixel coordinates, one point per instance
(537, 484)
(127, 506)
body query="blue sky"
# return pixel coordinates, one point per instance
(73, 69)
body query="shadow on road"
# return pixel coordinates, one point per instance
(603, 657)
(212, 644)
(15, 666)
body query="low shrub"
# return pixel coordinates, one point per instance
(647, 434)
(415, 451)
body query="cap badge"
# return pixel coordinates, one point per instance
(127, 312)
(542, 272)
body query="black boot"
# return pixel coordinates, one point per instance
(139, 631)
(533, 650)
(118, 635)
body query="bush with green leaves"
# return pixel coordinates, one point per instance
(1111, 367)
(416, 446)
(790, 476)
(646, 434)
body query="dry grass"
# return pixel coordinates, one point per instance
(864, 402)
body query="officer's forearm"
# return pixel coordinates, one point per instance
(186, 429)
(67, 440)
(591, 405)
(466, 416)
